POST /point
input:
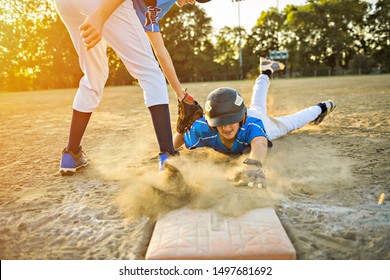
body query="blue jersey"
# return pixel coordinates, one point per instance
(150, 12)
(201, 135)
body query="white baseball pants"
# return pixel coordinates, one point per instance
(125, 34)
(279, 126)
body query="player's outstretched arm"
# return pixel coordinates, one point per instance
(92, 28)
(189, 109)
(259, 148)
(252, 173)
(165, 60)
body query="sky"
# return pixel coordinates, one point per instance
(225, 12)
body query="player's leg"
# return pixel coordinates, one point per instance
(260, 88)
(280, 126)
(258, 106)
(125, 34)
(259, 95)
(93, 63)
(95, 68)
(277, 127)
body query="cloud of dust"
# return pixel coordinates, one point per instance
(124, 152)
(307, 166)
(199, 179)
(198, 185)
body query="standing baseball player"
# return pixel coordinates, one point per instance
(230, 128)
(149, 13)
(92, 24)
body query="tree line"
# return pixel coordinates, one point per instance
(322, 37)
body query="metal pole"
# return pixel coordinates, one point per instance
(239, 37)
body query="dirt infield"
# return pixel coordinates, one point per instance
(325, 181)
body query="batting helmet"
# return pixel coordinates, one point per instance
(224, 106)
(203, 1)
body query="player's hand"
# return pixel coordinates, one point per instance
(252, 175)
(91, 30)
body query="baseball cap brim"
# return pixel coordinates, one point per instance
(225, 120)
(203, 1)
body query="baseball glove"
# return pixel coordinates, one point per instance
(189, 111)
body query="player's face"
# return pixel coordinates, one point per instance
(181, 3)
(228, 132)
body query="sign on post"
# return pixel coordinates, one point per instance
(277, 55)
